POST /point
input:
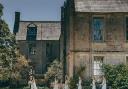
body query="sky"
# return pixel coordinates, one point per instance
(38, 10)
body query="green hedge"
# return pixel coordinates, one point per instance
(24, 88)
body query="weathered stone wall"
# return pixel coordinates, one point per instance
(40, 60)
(113, 48)
(47, 30)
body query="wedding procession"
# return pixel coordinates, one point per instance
(64, 44)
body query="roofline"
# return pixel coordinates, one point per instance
(98, 12)
(41, 40)
(41, 21)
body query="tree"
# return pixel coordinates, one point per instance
(19, 70)
(1, 10)
(80, 71)
(7, 48)
(117, 76)
(73, 82)
(54, 70)
(10, 58)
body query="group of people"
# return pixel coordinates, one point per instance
(32, 83)
(66, 86)
(63, 86)
(102, 85)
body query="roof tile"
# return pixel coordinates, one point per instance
(101, 5)
(46, 30)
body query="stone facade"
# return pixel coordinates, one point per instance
(40, 61)
(79, 47)
(40, 47)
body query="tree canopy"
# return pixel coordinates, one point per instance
(1, 9)
(55, 70)
(10, 58)
(116, 76)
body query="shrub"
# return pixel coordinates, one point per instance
(116, 76)
(54, 70)
(87, 83)
(73, 82)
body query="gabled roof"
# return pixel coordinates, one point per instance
(101, 5)
(46, 30)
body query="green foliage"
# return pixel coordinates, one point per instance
(1, 9)
(87, 83)
(54, 70)
(24, 88)
(7, 48)
(73, 82)
(80, 70)
(12, 63)
(117, 76)
(4, 74)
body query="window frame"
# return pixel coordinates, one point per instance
(126, 60)
(126, 16)
(29, 28)
(49, 50)
(99, 69)
(103, 31)
(30, 46)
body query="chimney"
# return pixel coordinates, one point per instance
(16, 23)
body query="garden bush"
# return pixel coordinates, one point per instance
(116, 76)
(73, 82)
(87, 83)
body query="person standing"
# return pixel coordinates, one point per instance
(79, 84)
(93, 83)
(66, 83)
(56, 84)
(32, 83)
(104, 83)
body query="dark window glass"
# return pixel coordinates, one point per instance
(126, 28)
(98, 62)
(32, 48)
(49, 50)
(31, 33)
(127, 59)
(98, 26)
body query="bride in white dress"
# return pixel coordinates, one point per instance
(32, 83)
(55, 84)
(104, 83)
(79, 84)
(66, 83)
(93, 84)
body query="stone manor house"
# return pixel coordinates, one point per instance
(94, 32)
(38, 41)
(90, 33)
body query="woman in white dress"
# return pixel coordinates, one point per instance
(32, 83)
(93, 84)
(104, 83)
(79, 85)
(55, 84)
(66, 83)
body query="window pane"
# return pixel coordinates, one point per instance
(32, 48)
(31, 33)
(126, 28)
(127, 59)
(98, 25)
(49, 50)
(98, 61)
